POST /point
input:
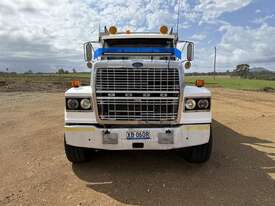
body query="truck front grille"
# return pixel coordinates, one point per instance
(144, 94)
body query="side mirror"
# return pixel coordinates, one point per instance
(88, 52)
(190, 51)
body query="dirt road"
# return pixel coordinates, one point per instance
(34, 170)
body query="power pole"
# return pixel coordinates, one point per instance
(215, 56)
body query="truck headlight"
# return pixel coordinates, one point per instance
(72, 104)
(203, 103)
(190, 104)
(78, 104)
(85, 103)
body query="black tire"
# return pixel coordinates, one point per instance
(200, 153)
(76, 154)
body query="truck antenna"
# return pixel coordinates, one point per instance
(178, 19)
(99, 27)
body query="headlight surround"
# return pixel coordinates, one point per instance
(190, 104)
(85, 104)
(78, 104)
(197, 104)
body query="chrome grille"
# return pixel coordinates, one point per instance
(144, 94)
(143, 79)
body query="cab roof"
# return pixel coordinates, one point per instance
(105, 36)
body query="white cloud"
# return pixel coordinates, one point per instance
(247, 45)
(38, 31)
(261, 20)
(238, 45)
(212, 9)
(198, 37)
(47, 34)
(54, 30)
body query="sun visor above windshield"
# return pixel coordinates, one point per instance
(173, 51)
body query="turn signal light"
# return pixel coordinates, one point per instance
(187, 65)
(199, 83)
(75, 83)
(112, 30)
(163, 30)
(90, 65)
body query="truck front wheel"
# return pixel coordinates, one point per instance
(76, 154)
(200, 153)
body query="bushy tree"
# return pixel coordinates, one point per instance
(29, 72)
(242, 70)
(61, 71)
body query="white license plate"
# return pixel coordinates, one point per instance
(139, 134)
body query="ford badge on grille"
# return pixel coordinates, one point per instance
(137, 64)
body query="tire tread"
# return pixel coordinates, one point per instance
(200, 153)
(75, 154)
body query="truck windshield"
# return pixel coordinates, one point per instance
(139, 43)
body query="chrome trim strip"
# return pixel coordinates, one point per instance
(141, 98)
(181, 82)
(111, 91)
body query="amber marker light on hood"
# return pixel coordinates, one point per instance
(75, 83)
(199, 83)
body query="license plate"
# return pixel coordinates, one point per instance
(140, 134)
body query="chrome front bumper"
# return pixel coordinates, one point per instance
(115, 139)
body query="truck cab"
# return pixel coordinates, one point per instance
(137, 98)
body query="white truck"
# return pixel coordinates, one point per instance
(137, 98)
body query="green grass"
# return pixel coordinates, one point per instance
(45, 77)
(232, 82)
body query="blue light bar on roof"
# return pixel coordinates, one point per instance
(100, 51)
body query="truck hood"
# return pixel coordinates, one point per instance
(82, 91)
(193, 91)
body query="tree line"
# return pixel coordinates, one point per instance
(243, 71)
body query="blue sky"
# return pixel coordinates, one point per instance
(48, 34)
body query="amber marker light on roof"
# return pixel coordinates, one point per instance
(75, 83)
(112, 30)
(199, 83)
(163, 30)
